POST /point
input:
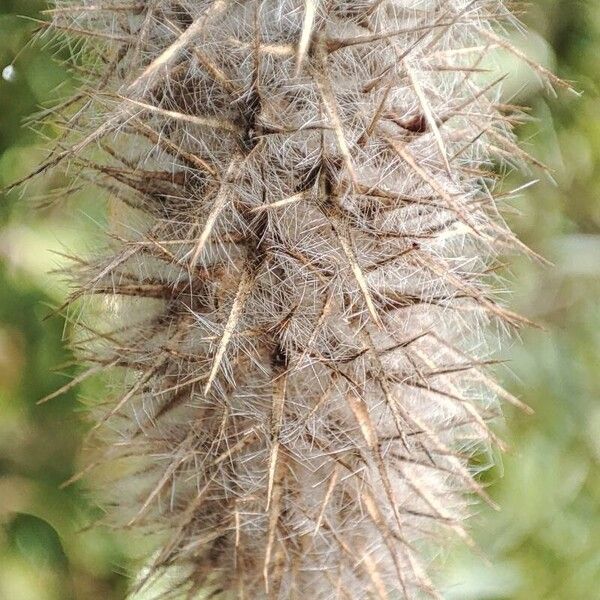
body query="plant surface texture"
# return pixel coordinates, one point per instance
(296, 296)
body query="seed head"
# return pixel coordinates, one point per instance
(297, 282)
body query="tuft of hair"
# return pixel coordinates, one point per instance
(295, 298)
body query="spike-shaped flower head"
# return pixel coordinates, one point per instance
(296, 282)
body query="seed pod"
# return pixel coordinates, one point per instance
(297, 282)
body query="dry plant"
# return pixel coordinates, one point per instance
(297, 292)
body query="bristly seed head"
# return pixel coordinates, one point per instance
(297, 284)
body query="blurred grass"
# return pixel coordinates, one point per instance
(544, 544)
(43, 554)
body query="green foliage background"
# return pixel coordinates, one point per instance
(544, 544)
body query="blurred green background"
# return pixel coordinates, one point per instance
(545, 544)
